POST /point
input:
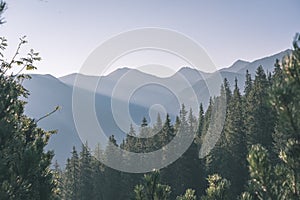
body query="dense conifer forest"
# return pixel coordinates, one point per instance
(256, 157)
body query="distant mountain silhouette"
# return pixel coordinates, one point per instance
(46, 92)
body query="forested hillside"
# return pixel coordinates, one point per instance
(256, 157)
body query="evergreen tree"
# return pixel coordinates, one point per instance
(24, 164)
(72, 173)
(286, 98)
(167, 131)
(189, 195)
(58, 181)
(144, 122)
(200, 125)
(216, 157)
(187, 169)
(248, 84)
(281, 181)
(260, 119)
(183, 119)
(207, 118)
(85, 174)
(98, 179)
(152, 189)
(227, 90)
(159, 124)
(234, 165)
(218, 188)
(112, 177)
(176, 125)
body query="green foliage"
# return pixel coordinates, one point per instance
(24, 165)
(189, 195)
(286, 98)
(274, 182)
(259, 119)
(251, 122)
(71, 177)
(228, 156)
(218, 188)
(2, 8)
(245, 196)
(58, 182)
(85, 174)
(261, 173)
(200, 125)
(281, 181)
(152, 189)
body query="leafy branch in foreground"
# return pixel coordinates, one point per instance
(2, 9)
(24, 165)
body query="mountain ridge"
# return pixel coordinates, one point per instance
(47, 91)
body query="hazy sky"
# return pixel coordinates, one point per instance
(67, 31)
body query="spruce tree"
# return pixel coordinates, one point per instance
(159, 124)
(200, 125)
(85, 174)
(281, 181)
(234, 144)
(71, 177)
(248, 84)
(112, 176)
(260, 117)
(58, 181)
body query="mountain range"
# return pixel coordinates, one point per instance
(129, 90)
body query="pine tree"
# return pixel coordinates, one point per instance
(260, 118)
(228, 156)
(167, 131)
(200, 124)
(152, 189)
(188, 195)
(207, 118)
(130, 141)
(285, 98)
(248, 84)
(143, 141)
(144, 122)
(227, 90)
(281, 181)
(58, 181)
(112, 176)
(235, 144)
(98, 174)
(187, 169)
(218, 188)
(183, 120)
(24, 164)
(85, 174)
(71, 177)
(176, 125)
(158, 126)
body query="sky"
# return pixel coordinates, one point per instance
(66, 32)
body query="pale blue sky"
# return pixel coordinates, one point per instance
(67, 31)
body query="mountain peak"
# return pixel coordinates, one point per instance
(236, 66)
(239, 61)
(267, 62)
